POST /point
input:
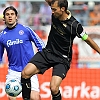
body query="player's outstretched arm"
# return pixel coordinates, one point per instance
(92, 44)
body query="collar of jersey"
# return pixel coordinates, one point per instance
(69, 14)
(12, 27)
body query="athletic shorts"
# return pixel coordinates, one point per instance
(45, 60)
(17, 75)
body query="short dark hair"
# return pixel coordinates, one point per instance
(61, 3)
(10, 8)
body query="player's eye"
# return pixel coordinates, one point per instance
(12, 14)
(53, 9)
(7, 14)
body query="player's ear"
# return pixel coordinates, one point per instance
(16, 17)
(3, 19)
(62, 8)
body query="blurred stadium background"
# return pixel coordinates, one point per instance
(83, 79)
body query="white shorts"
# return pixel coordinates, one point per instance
(17, 75)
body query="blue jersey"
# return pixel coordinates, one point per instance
(18, 44)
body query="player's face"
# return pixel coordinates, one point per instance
(10, 17)
(56, 10)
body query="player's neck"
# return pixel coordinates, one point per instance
(66, 15)
(12, 26)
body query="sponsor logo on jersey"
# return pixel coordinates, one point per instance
(17, 41)
(21, 32)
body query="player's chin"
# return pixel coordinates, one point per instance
(10, 23)
(55, 16)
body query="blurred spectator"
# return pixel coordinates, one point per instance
(35, 6)
(3, 2)
(34, 20)
(95, 16)
(30, 21)
(81, 13)
(45, 13)
(25, 10)
(12, 3)
(79, 2)
(2, 7)
(37, 20)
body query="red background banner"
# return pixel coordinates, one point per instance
(79, 84)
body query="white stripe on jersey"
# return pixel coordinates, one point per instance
(40, 41)
(82, 34)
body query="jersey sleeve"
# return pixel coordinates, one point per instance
(1, 50)
(79, 30)
(35, 38)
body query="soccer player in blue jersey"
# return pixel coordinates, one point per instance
(17, 40)
(58, 51)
